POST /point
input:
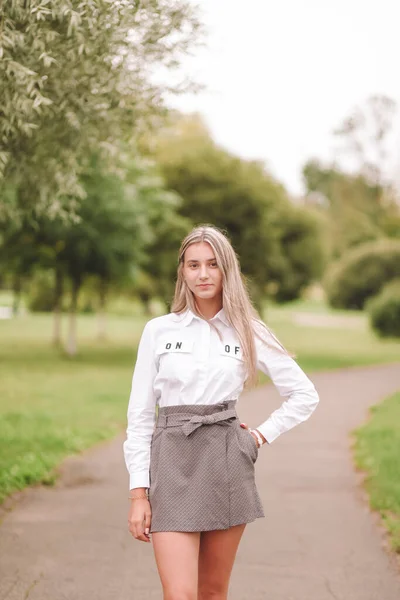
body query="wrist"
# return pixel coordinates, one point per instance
(260, 440)
(138, 494)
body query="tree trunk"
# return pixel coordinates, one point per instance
(71, 347)
(17, 288)
(146, 299)
(58, 295)
(101, 315)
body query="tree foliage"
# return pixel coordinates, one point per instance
(76, 77)
(302, 254)
(365, 134)
(241, 197)
(362, 203)
(357, 210)
(121, 226)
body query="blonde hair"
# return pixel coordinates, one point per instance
(236, 302)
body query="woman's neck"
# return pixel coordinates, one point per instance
(209, 308)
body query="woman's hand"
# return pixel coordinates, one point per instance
(245, 426)
(139, 519)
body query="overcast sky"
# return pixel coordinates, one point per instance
(282, 74)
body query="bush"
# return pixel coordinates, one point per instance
(362, 273)
(384, 310)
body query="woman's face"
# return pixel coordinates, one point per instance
(201, 271)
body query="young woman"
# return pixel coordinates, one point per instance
(191, 470)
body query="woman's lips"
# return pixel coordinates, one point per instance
(204, 285)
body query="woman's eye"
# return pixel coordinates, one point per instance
(194, 266)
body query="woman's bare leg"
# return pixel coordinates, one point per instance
(177, 558)
(217, 555)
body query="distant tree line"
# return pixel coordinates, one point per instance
(99, 182)
(129, 223)
(359, 213)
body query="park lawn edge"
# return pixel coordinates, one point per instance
(376, 454)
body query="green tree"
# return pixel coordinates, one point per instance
(117, 233)
(361, 205)
(105, 241)
(18, 257)
(78, 77)
(241, 197)
(302, 256)
(350, 203)
(365, 135)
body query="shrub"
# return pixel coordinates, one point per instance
(362, 273)
(384, 310)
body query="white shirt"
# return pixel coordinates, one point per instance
(181, 360)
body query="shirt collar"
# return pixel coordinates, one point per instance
(187, 316)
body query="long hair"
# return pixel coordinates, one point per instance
(236, 302)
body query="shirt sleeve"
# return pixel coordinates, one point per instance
(141, 412)
(301, 397)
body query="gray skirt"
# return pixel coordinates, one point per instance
(202, 469)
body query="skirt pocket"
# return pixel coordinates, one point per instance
(249, 443)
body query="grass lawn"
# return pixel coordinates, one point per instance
(377, 452)
(322, 338)
(52, 405)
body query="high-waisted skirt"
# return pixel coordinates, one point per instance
(202, 469)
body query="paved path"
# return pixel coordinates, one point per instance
(318, 542)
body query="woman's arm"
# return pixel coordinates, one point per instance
(301, 397)
(141, 412)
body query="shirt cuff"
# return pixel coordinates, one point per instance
(139, 480)
(269, 431)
